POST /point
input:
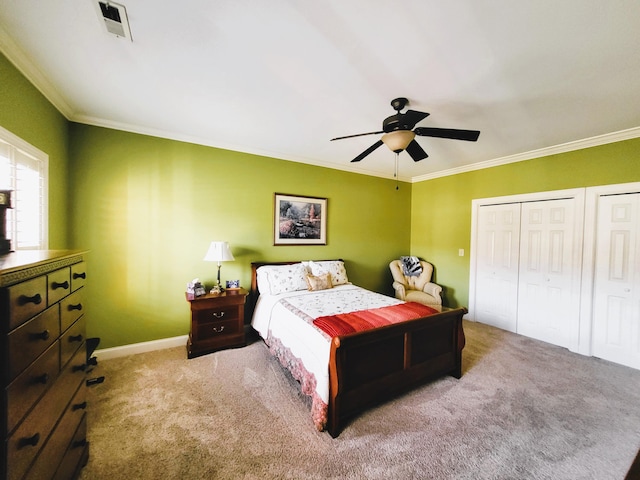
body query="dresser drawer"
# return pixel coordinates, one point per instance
(29, 386)
(58, 285)
(27, 440)
(26, 299)
(31, 339)
(61, 439)
(73, 459)
(78, 275)
(71, 340)
(71, 309)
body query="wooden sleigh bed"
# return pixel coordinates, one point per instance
(368, 367)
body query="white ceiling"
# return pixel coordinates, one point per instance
(282, 77)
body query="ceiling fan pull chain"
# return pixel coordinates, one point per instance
(395, 173)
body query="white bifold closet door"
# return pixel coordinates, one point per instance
(528, 270)
(616, 309)
(498, 244)
(549, 272)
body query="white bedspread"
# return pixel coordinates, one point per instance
(274, 318)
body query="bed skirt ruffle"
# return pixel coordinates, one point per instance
(306, 379)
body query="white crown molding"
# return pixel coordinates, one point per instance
(27, 68)
(542, 152)
(98, 122)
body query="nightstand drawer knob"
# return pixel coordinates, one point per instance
(218, 315)
(218, 330)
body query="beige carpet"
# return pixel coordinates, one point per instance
(522, 410)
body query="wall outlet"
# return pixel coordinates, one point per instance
(461, 252)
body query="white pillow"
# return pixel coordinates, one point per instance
(334, 267)
(277, 279)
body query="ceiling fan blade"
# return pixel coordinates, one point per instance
(415, 150)
(452, 133)
(357, 135)
(367, 151)
(413, 117)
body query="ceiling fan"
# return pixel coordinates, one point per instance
(399, 132)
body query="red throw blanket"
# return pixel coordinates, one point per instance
(345, 323)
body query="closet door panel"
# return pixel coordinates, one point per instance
(548, 282)
(498, 238)
(616, 313)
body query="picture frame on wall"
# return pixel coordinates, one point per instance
(299, 220)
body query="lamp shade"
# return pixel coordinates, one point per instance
(398, 140)
(219, 252)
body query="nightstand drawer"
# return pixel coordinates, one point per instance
(209, 330)
(216, 314)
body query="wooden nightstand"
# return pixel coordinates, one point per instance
(217, 322)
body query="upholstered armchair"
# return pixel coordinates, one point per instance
(417, 288)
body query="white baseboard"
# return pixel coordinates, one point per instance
(134, 348)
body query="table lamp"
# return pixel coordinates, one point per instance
(218, 252)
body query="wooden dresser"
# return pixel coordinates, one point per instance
(43, 364)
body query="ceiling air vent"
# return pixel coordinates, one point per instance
(115, 19)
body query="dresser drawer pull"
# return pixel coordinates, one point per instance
(94, 381)
(44, 378)
(79, 406)
(79, 368)
(75, 338)
(56, 285)
(79, 443)
(77, 306)
(41, 336)
(218, 315)
(29, 441)
(80, 275)
(37, 299)
(218, 330)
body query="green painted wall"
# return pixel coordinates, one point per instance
(441, 208)
(147, 208)
(26, 113)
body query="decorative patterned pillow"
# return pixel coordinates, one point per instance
(322, 282)
(334, 267)
(277, 279)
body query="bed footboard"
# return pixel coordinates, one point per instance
(369, 367)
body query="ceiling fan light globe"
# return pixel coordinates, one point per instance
(398, 140)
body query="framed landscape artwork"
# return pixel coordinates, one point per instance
(299, 220)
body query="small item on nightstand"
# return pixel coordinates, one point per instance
(195, 289)
(233, 284)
